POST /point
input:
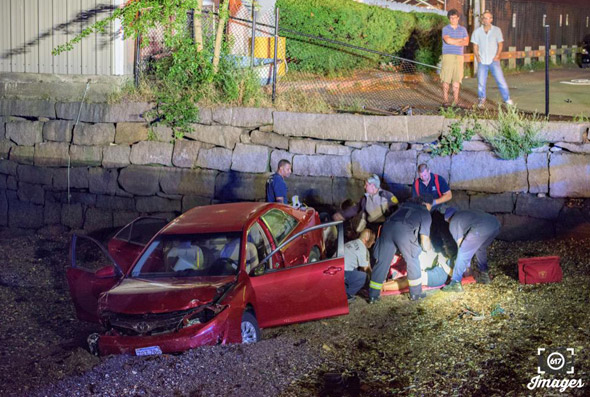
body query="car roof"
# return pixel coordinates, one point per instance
(216, 218)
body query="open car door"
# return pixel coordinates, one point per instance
(128, 243)
(305, 291)
(92, 272)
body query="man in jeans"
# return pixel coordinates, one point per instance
(487, 46)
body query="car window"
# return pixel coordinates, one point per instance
(279, 223)
(144, 229)
(207, 254)
(262, 247)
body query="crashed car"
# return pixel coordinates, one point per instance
(216, 274)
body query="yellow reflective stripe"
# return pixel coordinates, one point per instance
(375, 285)
(394, 200)
(414, 283)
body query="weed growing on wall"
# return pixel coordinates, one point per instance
(459, 132)
(513, 135)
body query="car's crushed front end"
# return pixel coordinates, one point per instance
(145, 317)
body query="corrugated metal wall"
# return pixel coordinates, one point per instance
(30, 29)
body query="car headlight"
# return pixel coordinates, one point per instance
(202, 315)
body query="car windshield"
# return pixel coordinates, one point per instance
(212, 254)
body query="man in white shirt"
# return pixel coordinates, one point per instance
(487, 46)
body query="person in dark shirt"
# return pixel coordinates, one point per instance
(400, 232)
(432, 189)
(276, 188)
(474, 231)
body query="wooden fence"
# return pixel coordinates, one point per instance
(509, 58)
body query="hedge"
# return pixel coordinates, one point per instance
(354, 23)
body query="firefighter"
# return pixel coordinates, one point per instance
(400, 232)
(474, 231)
(374, 207)
(433, 189)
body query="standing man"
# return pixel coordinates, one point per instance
(276, 188)
(357, 262)
(376, 205)
(400, 232)
(487, 46)
(432, 189)
(454, 38)
(474, 231)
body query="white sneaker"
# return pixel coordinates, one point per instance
(509, 102)
(481, 103)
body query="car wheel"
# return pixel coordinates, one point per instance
(314, 255)
(250, 330)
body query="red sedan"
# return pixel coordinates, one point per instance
(216, 274)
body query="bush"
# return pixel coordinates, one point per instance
(513, 135)
(353, 23)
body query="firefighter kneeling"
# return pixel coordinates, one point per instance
(400, 232)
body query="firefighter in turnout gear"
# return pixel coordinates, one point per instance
(407, 230)
(474, 231)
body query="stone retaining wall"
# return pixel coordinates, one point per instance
(120, 169)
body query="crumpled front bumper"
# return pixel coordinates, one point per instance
(216, 331)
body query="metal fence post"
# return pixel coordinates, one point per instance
(253, 41)
(274, 65)
(546, 70)
(136, 60)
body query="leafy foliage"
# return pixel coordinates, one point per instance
(350, 22)
(452, 142)
(185, 74)
(513, 135)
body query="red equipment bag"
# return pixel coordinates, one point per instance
(544, 269)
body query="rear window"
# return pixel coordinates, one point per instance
(279, 223)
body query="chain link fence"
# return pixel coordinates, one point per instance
(384, 84)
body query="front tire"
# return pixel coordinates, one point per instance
(249, 328)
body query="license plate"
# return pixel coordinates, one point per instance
(148, 351)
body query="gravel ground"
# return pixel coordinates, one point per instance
(433, 347)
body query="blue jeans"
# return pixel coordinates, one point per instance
(482, 78)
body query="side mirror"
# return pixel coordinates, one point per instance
(106, 272)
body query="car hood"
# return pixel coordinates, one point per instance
(140, 295)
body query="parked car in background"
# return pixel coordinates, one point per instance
(583, 54)
(214, 275)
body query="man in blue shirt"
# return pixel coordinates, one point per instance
(432, 189)
(454, 37)
(276, 188)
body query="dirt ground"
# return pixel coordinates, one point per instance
(481, 342)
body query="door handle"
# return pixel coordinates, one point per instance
(332, 270)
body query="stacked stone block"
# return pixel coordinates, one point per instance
(112, 166)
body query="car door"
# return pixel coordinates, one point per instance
(301, 292)
(92, 272)
(128, 243)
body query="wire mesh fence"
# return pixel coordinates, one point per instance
(374, 82)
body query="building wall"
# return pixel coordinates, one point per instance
(117, 170)
(30, 29)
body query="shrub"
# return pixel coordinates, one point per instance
(350, 22)
(452, 142)
(513, 135)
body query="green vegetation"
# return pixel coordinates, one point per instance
(459, 132)
(357, 24)
(513, 135)
(449, 112)
(196, 66)
(582, 118)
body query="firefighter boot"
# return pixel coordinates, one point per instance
(454, 286)
(483, 278)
